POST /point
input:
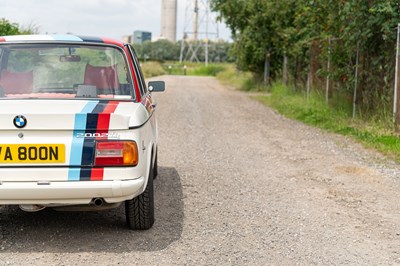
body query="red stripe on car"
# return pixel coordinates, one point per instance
(111, 41)
(103, 121)
(103, 125)
(97, 174)
(110, 108)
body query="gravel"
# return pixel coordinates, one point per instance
(238, 185)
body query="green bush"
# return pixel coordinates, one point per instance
(237, 79)
(152, 69)
(194, 69)
(210, 70)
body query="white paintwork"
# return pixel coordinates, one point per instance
(39, 37)
(138, 111)
(20, 185)
(60, 114)
(70, 192)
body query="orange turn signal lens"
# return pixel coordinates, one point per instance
(130, 153)
(116, 153)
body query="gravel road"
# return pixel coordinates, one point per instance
(238, 184)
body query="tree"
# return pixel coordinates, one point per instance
(260, 28)
(306, 34)
(8, 28)
(164, 50)
(160, 50)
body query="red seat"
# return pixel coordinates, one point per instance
(16, 82)
(102, 77)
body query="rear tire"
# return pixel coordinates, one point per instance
(140, 210)
(155, 167)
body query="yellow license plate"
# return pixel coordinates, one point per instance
(32, 153)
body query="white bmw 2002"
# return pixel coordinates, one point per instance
(77, 126)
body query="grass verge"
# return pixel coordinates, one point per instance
(372, 133)
(313, 111)
(194, 69)
(238, 79)
(152, 69)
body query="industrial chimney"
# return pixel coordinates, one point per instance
(168, 19)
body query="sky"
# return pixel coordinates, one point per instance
(103, 18)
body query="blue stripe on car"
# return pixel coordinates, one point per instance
(91, 39)
(66, 37)
(77, 143)
(89, 143)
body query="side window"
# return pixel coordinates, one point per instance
(138, 70)
(142, 76)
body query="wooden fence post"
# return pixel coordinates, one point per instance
(328, 69)
(356, 82)
(285, 70)
(396, 118)
(267, 68)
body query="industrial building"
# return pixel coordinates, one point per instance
(127, 39)
(168, 19)
(140, 37)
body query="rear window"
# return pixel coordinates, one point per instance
(64, 71)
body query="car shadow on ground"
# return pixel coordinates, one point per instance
(104, 231)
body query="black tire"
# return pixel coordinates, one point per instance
(139, 211)
(155, 167)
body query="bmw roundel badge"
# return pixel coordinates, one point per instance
(20, 121)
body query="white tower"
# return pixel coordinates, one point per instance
(168, 19)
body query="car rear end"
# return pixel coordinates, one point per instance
(72, 131)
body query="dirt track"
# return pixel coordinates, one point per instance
(238, 184)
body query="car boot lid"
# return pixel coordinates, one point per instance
(71, 115)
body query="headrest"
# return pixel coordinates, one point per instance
(16, 82)
(102, 77)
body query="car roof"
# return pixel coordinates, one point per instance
(62, 38)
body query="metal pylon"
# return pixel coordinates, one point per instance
(196, 30)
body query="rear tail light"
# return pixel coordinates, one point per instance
(116, 153)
